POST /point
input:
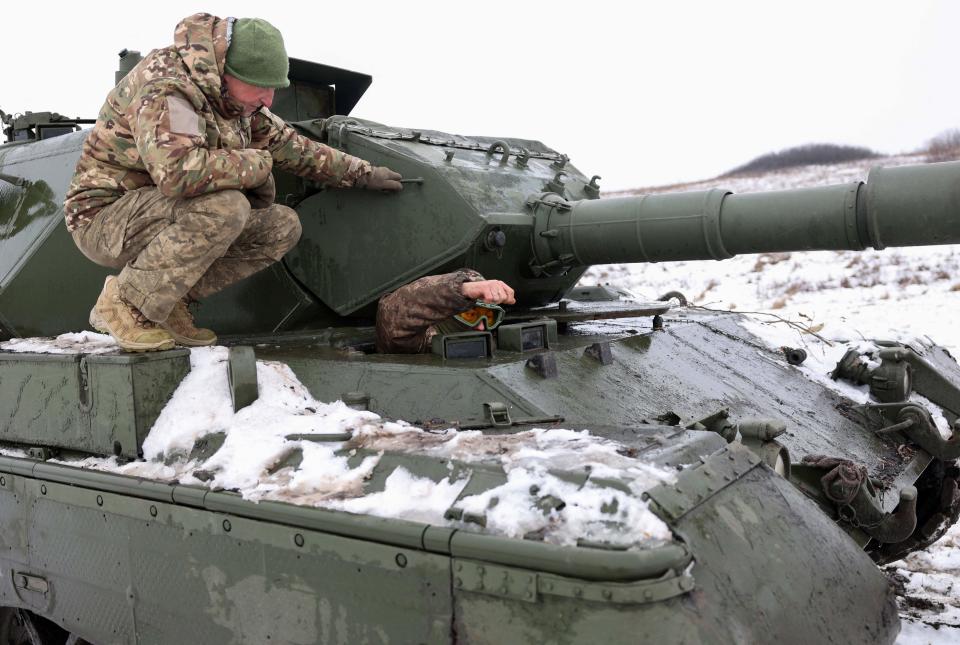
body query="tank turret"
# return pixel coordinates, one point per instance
(512, 209)
(518, 211)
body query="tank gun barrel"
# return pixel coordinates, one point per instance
(897, 206)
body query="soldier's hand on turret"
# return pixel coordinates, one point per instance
(263, 195)
(493, 291)
(381, 178)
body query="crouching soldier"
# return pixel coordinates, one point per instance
(409, 318)
(174, 185)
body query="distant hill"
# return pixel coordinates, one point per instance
(805, 155)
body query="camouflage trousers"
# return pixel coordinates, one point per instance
(168, 248)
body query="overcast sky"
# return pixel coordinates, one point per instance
(639, 93)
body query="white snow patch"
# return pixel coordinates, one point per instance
(408, 496)
(933, 575)
(913, 632)
(261, 438)
(590, 512)
(84, 342)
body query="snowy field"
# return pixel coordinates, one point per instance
(844, 297)
(909, 293)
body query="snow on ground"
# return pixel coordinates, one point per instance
(846, 298)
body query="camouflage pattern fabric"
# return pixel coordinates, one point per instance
(407, 318)
(168, 248)
(168, 124)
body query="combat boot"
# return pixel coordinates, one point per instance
(180, 325)
(132, 330)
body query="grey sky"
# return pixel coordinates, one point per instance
(641, 94)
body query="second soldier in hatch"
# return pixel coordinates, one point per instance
(174, 185)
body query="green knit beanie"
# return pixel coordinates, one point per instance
(256, 54)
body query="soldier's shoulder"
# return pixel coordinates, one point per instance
(159, 67)
(161, 73)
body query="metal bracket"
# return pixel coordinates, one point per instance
(718, 422)
(927, 379)
(498, 414)
(670, 585)
(889, 382)
(243, 377)
(28, 582)
(846, 485)
(556, 185)
(13, 179)
(356, 400)
(759, 435)
(544, 364)
(694, 486)
(600, 352)
(592, 190)
(915, 423)
(40, 453)
(495, 580)
(902, 370)
(528, 586)
(32, 590)
(504, 151)
(83, 381)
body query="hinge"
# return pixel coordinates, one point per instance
(83, 381)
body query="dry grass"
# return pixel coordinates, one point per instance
(945, 146)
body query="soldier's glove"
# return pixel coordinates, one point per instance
(263, 195)
(381, 178)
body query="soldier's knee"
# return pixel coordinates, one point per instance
(289, 227)
(231, 208)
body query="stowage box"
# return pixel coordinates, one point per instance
(97, 403)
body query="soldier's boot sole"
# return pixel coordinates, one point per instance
(97, 323)
(129, 346)
(186, 341)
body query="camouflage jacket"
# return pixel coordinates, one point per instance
(168, 124)
(407, 317)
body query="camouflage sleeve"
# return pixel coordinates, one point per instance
(173, 147)
(303, 156)
(405, 318)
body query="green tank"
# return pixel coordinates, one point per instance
(786, 493)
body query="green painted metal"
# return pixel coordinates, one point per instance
(756, 556)
(251, 572)
(242, 372)
(101, 404)
(112, 579)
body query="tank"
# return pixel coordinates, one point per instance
(785, 493)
